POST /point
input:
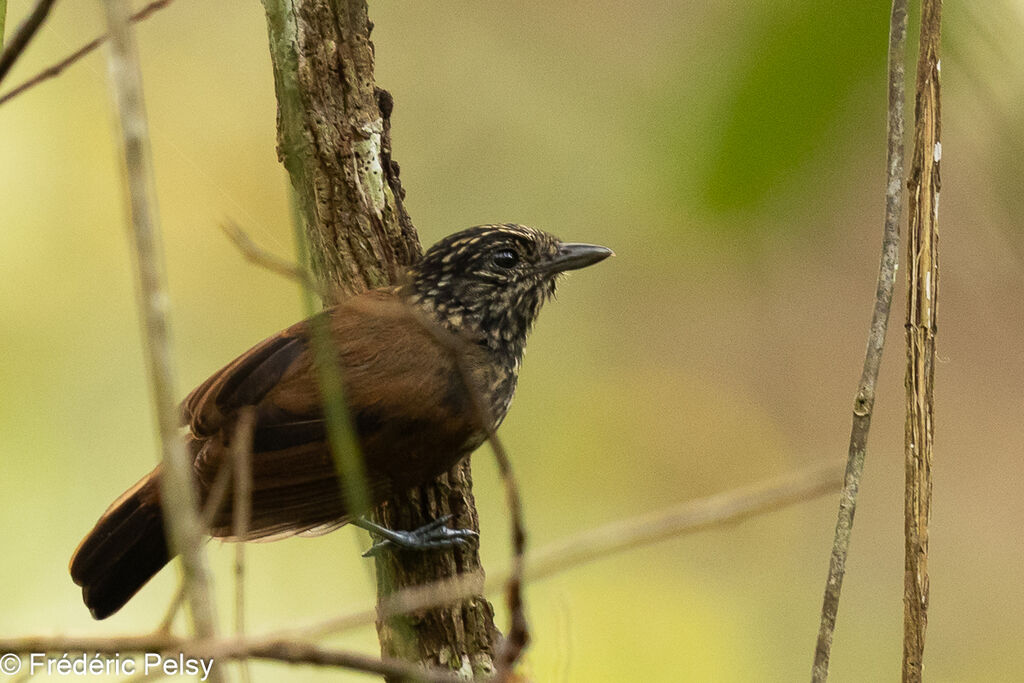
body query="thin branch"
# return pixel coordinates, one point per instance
(275, 649)
(23, 35)
(864, 402)
(685, 518)
(922, 304)
(346, 451)
(272, 262)
(340, 432)
(177, 490)
(599, 543)
(164, 627)
(410, 599)
(518, 634)
(293, 646)
(241, 451)
(56, 69)
(214, 499)
(218, 492)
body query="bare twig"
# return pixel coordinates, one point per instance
(864, 402)
(214, 500)
(922, 304)
(602, 542)
(241, 451)
(23, 35)
(405, 601)
(261, 257)
(518, 635)
(56, 69)
(685, 518)
(177, 490)
(276, 649)
(217, 493)
(164, 627)
(341, 435)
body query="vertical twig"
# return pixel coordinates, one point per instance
(241, 452)
(177, 491)
(518, 636)
(922, 302)
(864, 401)
(23, 36)
(341, 434)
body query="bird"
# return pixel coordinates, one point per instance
(429, 367)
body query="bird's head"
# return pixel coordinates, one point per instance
(492, 280)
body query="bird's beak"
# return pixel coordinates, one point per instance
(573, 255)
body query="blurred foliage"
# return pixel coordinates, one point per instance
(801, 69)
(731, 153)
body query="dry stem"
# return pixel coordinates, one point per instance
(241, 452)
(922, 302)
(518, 635)
(177, 490)
(864, 401)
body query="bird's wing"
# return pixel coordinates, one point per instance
(406, 398)
(245, 381)
(294, 481)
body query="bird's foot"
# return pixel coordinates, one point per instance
(428, 537)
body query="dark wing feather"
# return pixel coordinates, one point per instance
(293, 490)
(243, 382)
(408, 406)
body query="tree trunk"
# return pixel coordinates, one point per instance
(334, 139)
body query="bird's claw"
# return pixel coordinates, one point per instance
(430, 536)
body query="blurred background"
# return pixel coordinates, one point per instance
(731, 153)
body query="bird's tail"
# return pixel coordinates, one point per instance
(125, 549)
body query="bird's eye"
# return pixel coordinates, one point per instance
(505, 258)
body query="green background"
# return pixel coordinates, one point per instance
(731, 153)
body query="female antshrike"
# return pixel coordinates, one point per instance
(480, 289)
